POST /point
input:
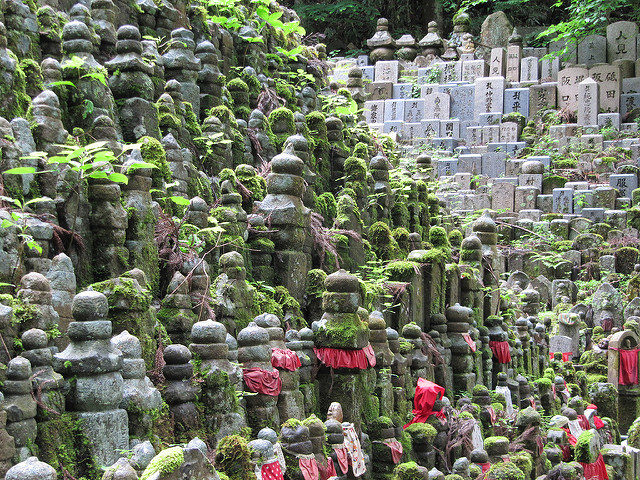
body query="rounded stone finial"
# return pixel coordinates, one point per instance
(176, 354)
(89, 305)
(471, 243)
(208, 331)
(287, 162)
(34, 338)
(532, 167)
(342, 282)
(128, 32)
(484, 223)
(230, 260)
(19, 368)
(31, 469)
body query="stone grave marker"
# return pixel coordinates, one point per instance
(387, 71)
(541, 97)
(514, 54)
(379, 90)
(630, 85)
(374, 111)
(516, 100)
(414, 110)
(529, 69)
(610, 84)
(625, 183)
(489, 95)
(471, 163)
(508, 132)
(629, 102)
(462, 102)
(447, 167)
(592, 50)
(493, 164)
(393, 110)
(490, 134)
(561, 344)
(568, 80)
(502, 196)
(369, 73)
(402, 90)
(473, 69)
(474, 136)
(437, 106)
(563, 200)
(497, 62)
(588, 101)
(430, 128)
(450, 128)
(621, 41)
(451, 71)
(549, 68)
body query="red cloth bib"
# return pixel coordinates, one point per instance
(343, 458)
(425, 397)
(501, 351)
(309, 468)
(596, 470)
(470, 342)
(565, 356)
(285, 359)
(627, 366)
(485, 467)
(396, 449)
(341, 358)
(328, 471)
(262, 381)
(271, 471)
(572, 439)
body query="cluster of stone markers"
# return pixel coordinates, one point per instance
(460, 109)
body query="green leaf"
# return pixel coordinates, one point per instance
(137, 165)
(20, 171)
(178, 200)
(118, 178)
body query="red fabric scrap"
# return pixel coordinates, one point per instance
(396, 449)
(627, 366)
(285, 359)
(262, 381)
(341, 358)
(485, 467)
(597, 422)
(425, 397)
(501, 351)
(583, 422)
(565, 356)
(572, 439)
(309, 468)
(328, 471)
(566, 453)
(595, 470)
(470, 342)
(492, 415)
(271, 471)
(343, 458)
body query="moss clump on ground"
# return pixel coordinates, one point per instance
(407, 471)
(421, 433)
(233, 458)
(505, 471)
(166, 461)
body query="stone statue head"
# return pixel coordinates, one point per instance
(335, 412)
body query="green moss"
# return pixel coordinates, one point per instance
(224, 114)
(403, 271)
(505, 471)
(355, 169)
(315, 283)
(256, 184)
(455, 238)
(421, 432)
(583, 453)
(490, 441)
(383, 244)
(327, 206)
(524, 462)
(61, 441)
(191, 120)
(342, 331)
(166, 461)
(453, 476)
(153, 152)
(233, 458)
(283, 119)
(23, 312)
(407, 471)
(292, 423)
(238, 85)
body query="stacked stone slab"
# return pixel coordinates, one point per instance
(95, 366)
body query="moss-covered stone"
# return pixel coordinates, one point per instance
(165, 462)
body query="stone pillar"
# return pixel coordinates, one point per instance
(140, 398)
(384, 361)
(35, 290)
(181, 392)
(181, 64)
(20, 406)
(131, 84)
(254, 352)
(221, 378)
(289, 217)
(98, 388)
(62, 280)
(210, 79)
(48, 385)
(628, 395)
(462, 361)
(342, 328)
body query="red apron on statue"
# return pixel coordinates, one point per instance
(627, 366)
(262, 381)
(285, 359)
(501, 351)
(425, 397)
(596, 470)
